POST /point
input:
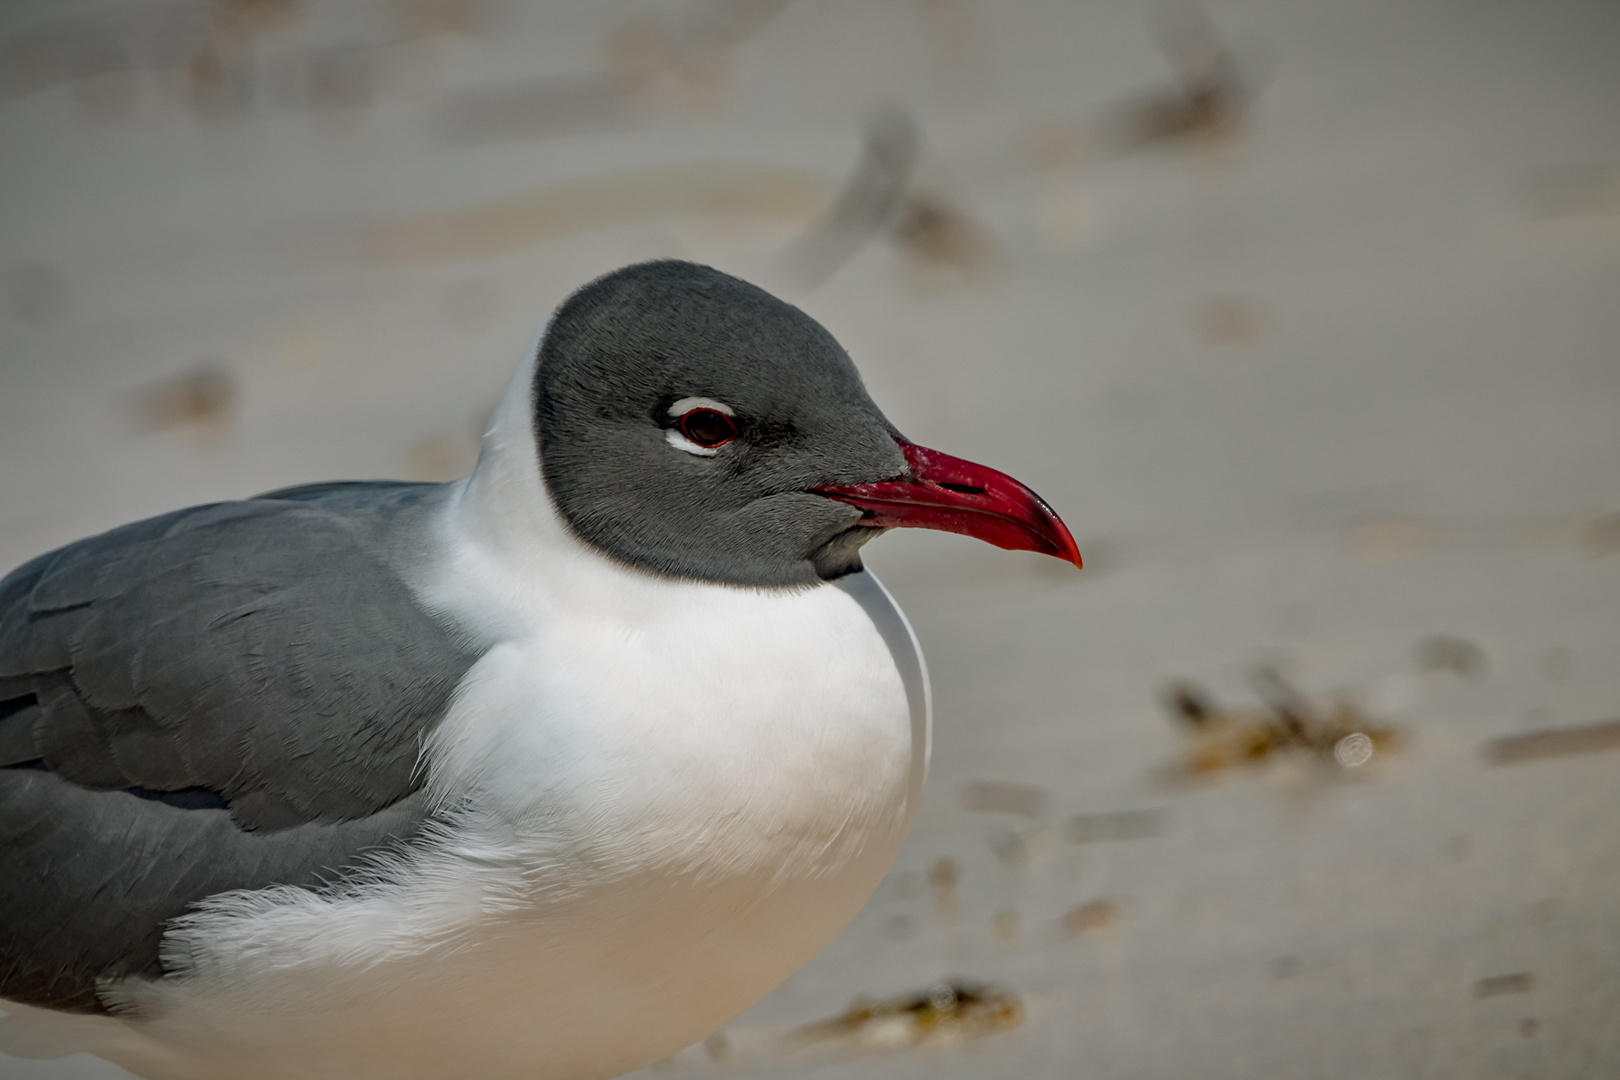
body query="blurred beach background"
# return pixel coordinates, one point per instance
(1304, 314)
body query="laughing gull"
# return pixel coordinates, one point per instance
(544, 773)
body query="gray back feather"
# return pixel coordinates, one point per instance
(230, 696)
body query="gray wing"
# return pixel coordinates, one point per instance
(226, 697)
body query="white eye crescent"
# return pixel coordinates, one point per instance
(687, 404)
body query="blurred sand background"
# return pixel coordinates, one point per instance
(1302, 313)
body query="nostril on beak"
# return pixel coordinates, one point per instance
(961, 489)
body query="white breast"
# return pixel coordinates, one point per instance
(717, 729)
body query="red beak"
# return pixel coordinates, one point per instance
(958, 496)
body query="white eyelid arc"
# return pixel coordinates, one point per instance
(687, 404)
(674, 437)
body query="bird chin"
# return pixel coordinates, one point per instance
(840, 555)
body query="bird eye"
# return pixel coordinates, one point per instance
(707, 428)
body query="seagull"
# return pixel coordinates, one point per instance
(547, 772)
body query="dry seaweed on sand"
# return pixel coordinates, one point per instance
(1339, 735)
(950, 1012)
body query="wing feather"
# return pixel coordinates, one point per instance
(232, 696)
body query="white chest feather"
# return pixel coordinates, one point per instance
(720, 731)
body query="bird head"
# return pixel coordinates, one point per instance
(692, 425)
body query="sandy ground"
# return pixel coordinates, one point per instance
(1314, 349)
